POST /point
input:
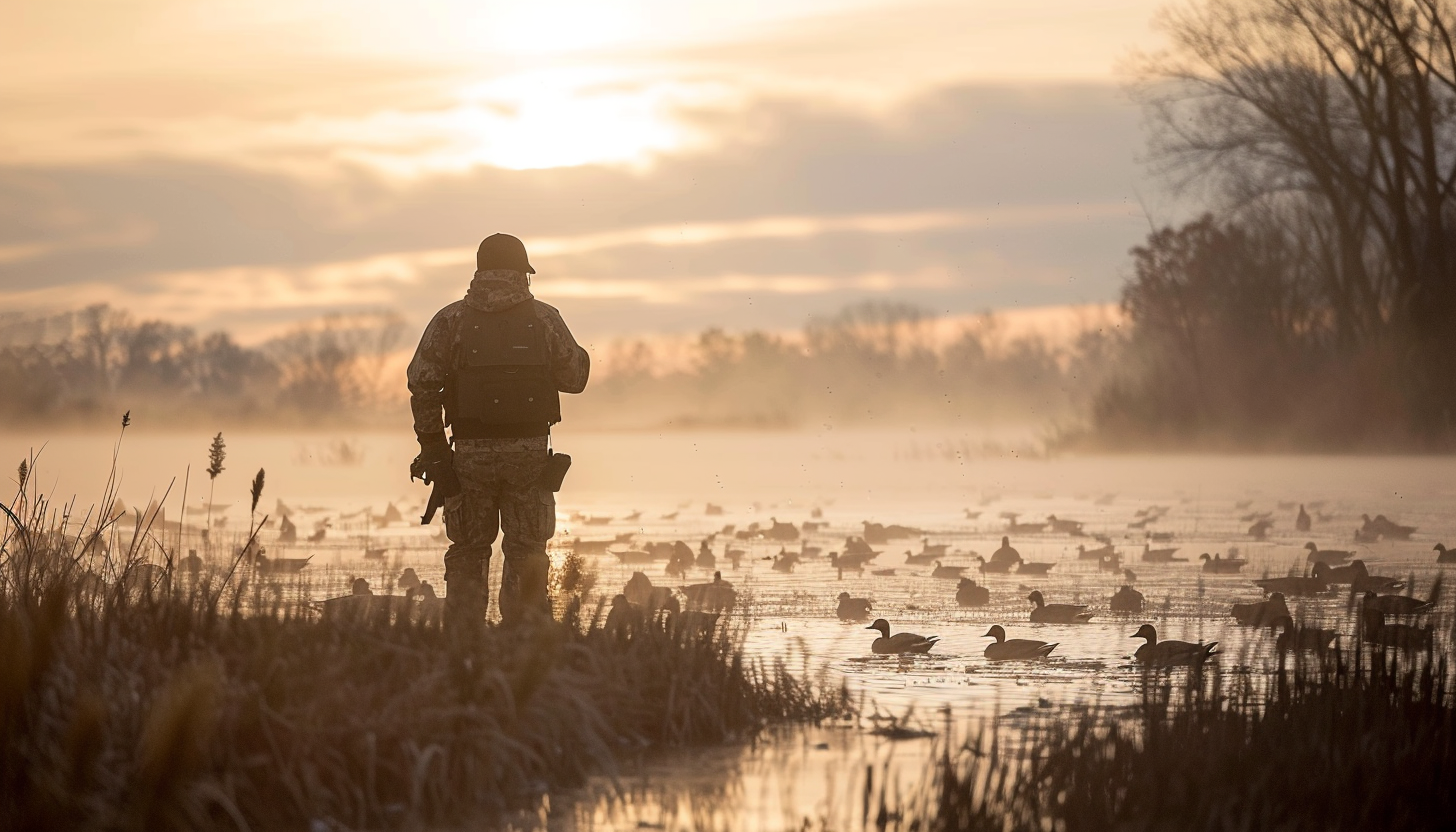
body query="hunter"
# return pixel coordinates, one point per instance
(491, 367)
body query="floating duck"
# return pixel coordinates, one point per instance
(1016, 649)
(1045, 613)
(851, 562)
(1261, 613)
(1170, 653)
(852, 609)
(900, 642)
(1445, 555)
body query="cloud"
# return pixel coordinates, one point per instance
(966, 197)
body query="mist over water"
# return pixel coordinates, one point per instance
(929, 480)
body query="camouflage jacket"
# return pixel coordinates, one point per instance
(490, 291)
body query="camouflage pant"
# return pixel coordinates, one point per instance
(499, 494)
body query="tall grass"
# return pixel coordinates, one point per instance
(1366, 740)
(181, 703)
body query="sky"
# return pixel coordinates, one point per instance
(252, 164)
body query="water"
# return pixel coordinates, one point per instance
(926, 480)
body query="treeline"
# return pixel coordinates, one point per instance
(872, 364)
(73, 367)
(1314, 307)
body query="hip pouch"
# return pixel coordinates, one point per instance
(555, 472)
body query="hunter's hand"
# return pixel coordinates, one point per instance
(434, 454)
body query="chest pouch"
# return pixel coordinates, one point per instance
(502, 376)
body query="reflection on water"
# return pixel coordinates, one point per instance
(909, 478)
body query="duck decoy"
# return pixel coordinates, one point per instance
(1083, 553)
(408, 579)
(1397, 604)
(1293, 585)
(1444, 555)
(643, 595)
(1045, 613)
(900, 642)
(1170, 653)
(852, 609)
(1330, 557)
(1028, 567)
(1357, 576)
(921, 559)
(1261, 613)
(786, 561)
(883, 573)
(1016, 649)
(1375, 630)
(1307, 639)
(1060, 526)
(971, 594)
(1260, 529)
(1127, 599)
(1221, 566)
(950, 573)
(1151, 555)
(1302, 521)
(718, 596)
(1113, 563)
(851, 562)
(993, 568)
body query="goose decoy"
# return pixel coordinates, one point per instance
(1045, 613)
(1127, 599)
(1330, 557)
(932, 549)
(1293, 585)
(992, 568)
(1027, 567)
(623, 620)
(408, 579)
(1260, 529)
(1221, 566)
(1261, 613)
(852, 609)
(1170, 653)
(1307, 639)
(971, 594)
(1113, 563)
(1392, 530)
(786, 561)
(643, 595)
(1005, 555)
(1083, 553)
(1445, 555)
(900, 642)
(1016, 649)
(1060, 526)
(1302, 521)
(950, 573)
(1397, 604)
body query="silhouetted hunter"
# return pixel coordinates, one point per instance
(493, 365)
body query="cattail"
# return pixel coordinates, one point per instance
(257, 489)
(215, 456)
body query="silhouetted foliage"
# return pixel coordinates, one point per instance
(1326, 131)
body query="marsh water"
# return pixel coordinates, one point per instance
(959, 488)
